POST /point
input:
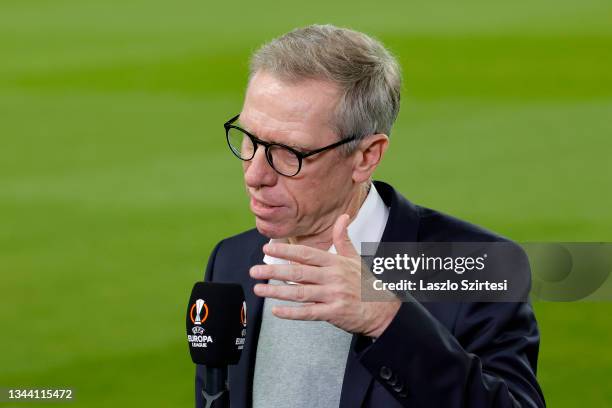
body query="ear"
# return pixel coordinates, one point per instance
(368, 155)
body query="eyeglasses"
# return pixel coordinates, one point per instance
(284, 159)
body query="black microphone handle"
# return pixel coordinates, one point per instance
(215, 393)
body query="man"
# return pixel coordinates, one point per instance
(314, 126)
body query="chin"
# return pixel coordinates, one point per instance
(272, 229)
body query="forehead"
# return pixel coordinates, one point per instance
(291, 113)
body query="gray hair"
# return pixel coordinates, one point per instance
(367, 74)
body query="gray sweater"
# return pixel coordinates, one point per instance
(299, 363)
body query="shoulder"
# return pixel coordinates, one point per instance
(438, 226)
(409, 222)
(232, 256)
(242, 241)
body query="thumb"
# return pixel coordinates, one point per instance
(342, 242)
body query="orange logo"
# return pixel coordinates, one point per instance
(198, 312)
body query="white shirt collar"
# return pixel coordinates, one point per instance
(368, 226)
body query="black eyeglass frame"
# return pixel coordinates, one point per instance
(256, 141)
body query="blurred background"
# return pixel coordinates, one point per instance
(116, 182)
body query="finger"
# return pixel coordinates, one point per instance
(288, 272)
(295, 293)
(299, 253)
(341, 239)
(315, 311)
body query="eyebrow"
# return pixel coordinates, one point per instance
(300, 149)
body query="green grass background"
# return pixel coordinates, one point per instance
(115, 180)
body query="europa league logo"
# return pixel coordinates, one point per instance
(199, 307)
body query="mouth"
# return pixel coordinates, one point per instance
(263, 209)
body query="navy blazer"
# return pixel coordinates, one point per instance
(433, 354)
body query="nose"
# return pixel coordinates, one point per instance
(258, 172)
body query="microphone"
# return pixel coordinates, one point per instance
(216, 330)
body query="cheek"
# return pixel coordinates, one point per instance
(317, 189)
(298, 193)
(310, 195)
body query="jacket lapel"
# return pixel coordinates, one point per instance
(402, 226)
